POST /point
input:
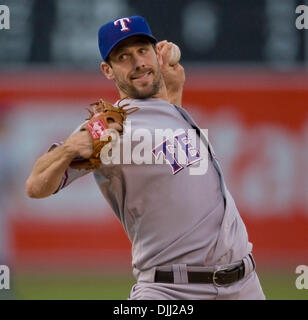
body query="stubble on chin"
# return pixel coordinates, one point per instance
(134, 93)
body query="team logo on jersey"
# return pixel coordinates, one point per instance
(181, 142)
(123, 23)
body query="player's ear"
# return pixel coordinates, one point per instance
(107, 70)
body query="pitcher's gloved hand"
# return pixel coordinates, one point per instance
(103, 115)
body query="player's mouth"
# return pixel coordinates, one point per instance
(141, 77)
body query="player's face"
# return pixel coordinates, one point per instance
(135, 68)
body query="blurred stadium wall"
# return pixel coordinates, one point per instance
(258, 123)
(246, 83)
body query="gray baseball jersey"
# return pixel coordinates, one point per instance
(169, 215)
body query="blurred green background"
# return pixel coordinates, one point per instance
(109, 286)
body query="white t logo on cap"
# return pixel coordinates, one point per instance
(123, 22)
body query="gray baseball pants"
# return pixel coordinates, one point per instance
(248, 288)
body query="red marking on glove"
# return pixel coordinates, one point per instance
(96, 128)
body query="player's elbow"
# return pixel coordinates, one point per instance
(32, 189)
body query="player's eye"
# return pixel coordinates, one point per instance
(122, 57)
(143, 50)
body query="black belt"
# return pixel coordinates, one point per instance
(220, 277)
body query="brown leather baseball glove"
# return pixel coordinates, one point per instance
(102, 114)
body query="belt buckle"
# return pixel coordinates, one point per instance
(215, 277)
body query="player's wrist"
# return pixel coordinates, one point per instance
(69, 150)
(175, 97)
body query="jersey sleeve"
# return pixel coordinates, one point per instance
(70, 174)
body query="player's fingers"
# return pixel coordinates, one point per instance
(160, 44)
(180, 71)
(178, 67)
(165, 53)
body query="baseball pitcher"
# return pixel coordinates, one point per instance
(188, 238)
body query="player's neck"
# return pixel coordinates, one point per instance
(162, 93)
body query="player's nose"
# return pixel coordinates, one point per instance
(138, 62)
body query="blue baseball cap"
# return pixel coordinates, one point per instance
(111, 33)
